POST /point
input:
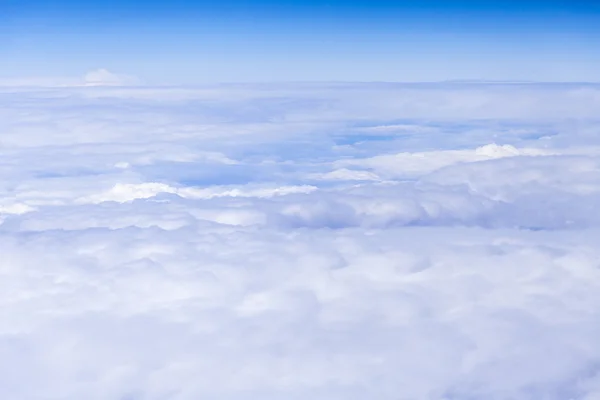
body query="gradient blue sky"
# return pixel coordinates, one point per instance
(181, 41)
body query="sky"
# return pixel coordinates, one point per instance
(363, 215)
(194, 42)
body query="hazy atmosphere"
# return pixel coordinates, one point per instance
(304, 200)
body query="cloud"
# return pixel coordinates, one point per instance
(300, 241)
(103, 77)
(98, 77)
(419, 163)
(345, 174)
(122, 193)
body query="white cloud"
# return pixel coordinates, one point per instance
(103, 77)
(97, 77)
(344, 174)
(419, 163)
(124, 192)
(293, 242)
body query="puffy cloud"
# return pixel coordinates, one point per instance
(419, 163)
(292, 242)
(103, 77)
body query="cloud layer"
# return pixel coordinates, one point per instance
(300, 241)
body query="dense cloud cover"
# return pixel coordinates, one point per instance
(326, 242)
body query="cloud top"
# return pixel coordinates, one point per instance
(299, 241)
(103, 77)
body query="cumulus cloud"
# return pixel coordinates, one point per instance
(419, 163)
(300, 241)
(103, 77)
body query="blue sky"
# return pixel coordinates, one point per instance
(183, 41)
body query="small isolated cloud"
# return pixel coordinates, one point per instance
(98, 77)
(103, 77)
